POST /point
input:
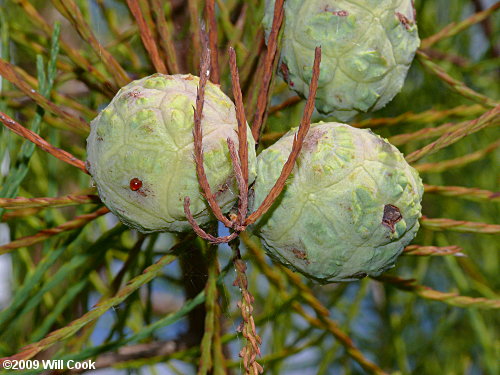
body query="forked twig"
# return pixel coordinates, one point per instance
(240, 159)
(272, 46)
(42, 143)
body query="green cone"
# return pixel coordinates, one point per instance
(367, 48)
(140, 152)
(349, 208)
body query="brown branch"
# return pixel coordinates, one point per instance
(166, 41)
(198, 141)
(240, 115)
(200, 232)
(242, 187)
(418, 250)
(212, 37)
(147, 37)
(42, 143)
(454, 84)
(297, 144)
(473, 194)
(488, 118)
(8, 72)
(77, 222)
(272, 46)
(439, 224)
(454, 27)
(67, 200)
(247, 328)
(445, 165)
(70, 10)
(410, 285)
(488, 29)
(287, 103)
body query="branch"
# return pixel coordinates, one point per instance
(458, 86)
(200, 232)
(489, 118)
(242, 187)
(297, 144)
(444, 165)
(42, 143)
(67, 200)
(7, 71)
(77, 222)
(240, 115)
(198, 141)
(166, 41)
(454, 28)
(212, 37)
(272, 46)
(473, 194)
(410, 285)
(439, 224)
(418, 250)
(251, 350)
(146, 36)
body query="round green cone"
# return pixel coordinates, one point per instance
(367, 48)
(140, 152)
(348, 209)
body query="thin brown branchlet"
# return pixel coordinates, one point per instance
(238, 223)
(239, 158)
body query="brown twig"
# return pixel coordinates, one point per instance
(454, 84)
(297, 144)
(70, 10)
(200, 232)
(240, 115)
(212, 37)
(198, 141)
(454, 27)
(459, 225)
(454, 299)
(488, 29)
(166, 41)
(77, 222)
(272, 46)
(247, 328)
(242, 187)
(287, 103)
(42, 143)
(8, 72)
(418, 250)
(67, 200)
(488, 118)
(445, 165)
(473, 194)
(147, 37)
